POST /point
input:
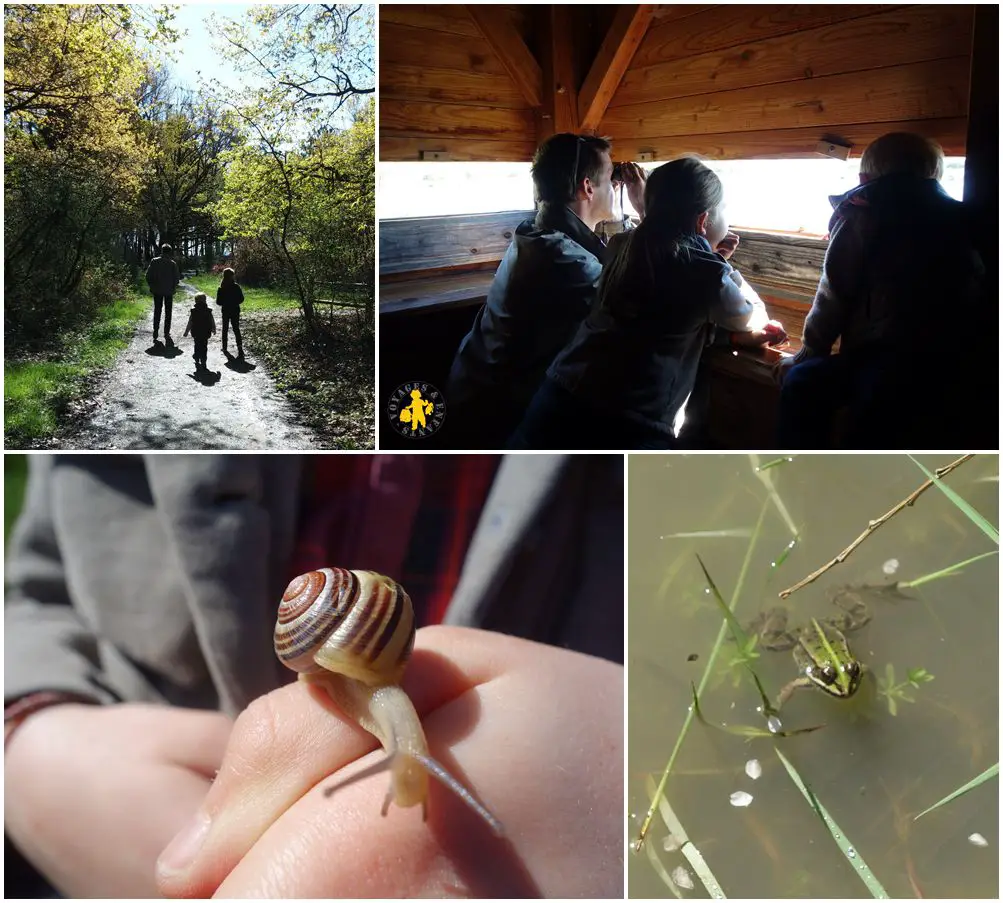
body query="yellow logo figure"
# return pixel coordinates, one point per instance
(416, 412)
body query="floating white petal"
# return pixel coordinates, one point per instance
(741, 798)
(978, 840)
(670, 843)
(753, 769)
(890, 566)
(681, 878)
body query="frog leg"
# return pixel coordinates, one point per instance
(856, 612)
(788, 690)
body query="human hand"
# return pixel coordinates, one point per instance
(635, 178)
(92, 793)
(776, 333)
(535, 732)
(727, 246)
(772, 333)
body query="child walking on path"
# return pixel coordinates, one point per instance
(229, 297)
(201, 324)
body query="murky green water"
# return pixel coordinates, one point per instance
(872, 770)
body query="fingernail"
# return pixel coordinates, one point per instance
(181, 852)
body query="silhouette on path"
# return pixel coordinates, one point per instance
(151, 399)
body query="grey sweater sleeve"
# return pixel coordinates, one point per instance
(46, 645)
(837, 291)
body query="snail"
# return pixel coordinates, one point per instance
(352, 633)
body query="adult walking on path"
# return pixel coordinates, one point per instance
(163, 277)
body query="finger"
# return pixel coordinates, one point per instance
(555, 779)
(195, 740)
(285, 743)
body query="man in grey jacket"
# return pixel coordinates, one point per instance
(163, 277)
(145, 587)
(542, 290)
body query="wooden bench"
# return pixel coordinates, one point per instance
(436, 262)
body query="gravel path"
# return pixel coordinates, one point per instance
(150, 400)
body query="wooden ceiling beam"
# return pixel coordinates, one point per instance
(560, 78)
(499, 31)
(630, 24)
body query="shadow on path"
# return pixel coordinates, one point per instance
(206, 377)
(238, 366)
(159, 349)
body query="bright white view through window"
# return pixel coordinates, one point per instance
(775, 195)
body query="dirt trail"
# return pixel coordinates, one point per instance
(151, 399)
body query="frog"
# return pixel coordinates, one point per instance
(820, 649)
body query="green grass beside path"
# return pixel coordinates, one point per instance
(37, 392)
(254, 298)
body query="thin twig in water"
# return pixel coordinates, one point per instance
(872, 526)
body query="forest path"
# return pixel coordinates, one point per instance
(151, 398)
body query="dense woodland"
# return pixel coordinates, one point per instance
(106, 157)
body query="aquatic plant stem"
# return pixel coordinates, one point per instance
(872, 526)
(660, 790)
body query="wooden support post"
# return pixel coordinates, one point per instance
(982, 177)
(630, 24)
(508, 45)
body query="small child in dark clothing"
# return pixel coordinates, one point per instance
(201, 324)
(229, 297)
(901, 255)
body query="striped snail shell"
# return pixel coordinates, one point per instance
(356, 623)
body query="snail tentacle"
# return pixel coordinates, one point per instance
(437, 771)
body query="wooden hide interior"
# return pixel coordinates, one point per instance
(489, 83)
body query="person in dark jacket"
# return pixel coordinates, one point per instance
(229, 297)
(163, 277)
(540, 293)
(624, 378)
(900, 250)
(202, 325)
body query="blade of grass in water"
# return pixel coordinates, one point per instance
(767, 480)
(838, 835)
(686, 846)
(785, 553)
(656, 864)
(737, 532)
(737, 631)
(986, 775)
(660, 790)
(946, 572)
(750, 732)
(961, 504)
(776, 462)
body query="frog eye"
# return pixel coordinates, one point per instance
(827, 674)
(853, 669)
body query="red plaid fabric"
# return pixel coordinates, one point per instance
(408, 516)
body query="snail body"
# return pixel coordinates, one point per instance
(352, 632)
